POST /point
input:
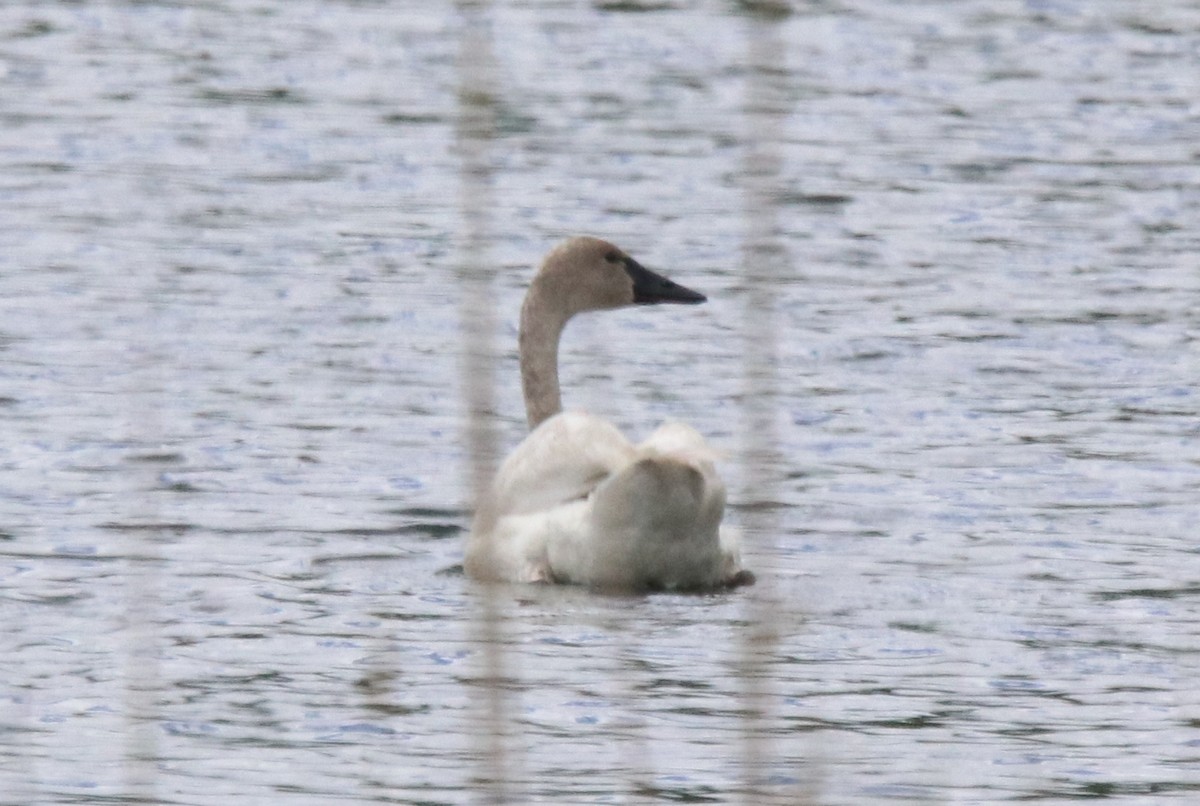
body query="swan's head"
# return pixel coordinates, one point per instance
(588, 274)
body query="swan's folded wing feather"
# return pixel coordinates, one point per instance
(562, 460)
(681, 441)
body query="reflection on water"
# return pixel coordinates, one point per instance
(950, 349)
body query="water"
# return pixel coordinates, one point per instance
(951, 350)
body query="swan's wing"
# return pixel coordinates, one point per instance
(655, 523)
(562, 460)
(680, 441)
(677, 441)
(674, 441)
(539, 494)
(658, 521)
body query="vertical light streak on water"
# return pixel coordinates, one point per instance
(763, 262)
(141, 674)
(476, 126)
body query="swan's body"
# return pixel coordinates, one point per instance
(576, 502)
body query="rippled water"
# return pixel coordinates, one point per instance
(951, 349)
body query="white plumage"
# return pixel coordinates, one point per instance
(576, 502)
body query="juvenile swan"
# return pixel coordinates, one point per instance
(578, 503)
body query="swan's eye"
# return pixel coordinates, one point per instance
(613, 257)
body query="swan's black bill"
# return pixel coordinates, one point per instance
(650, 288)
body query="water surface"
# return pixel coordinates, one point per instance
(951, 351)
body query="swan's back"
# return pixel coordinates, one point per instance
(577, 503)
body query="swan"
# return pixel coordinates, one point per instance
(576, 502)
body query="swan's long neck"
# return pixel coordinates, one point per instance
(541, 326)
